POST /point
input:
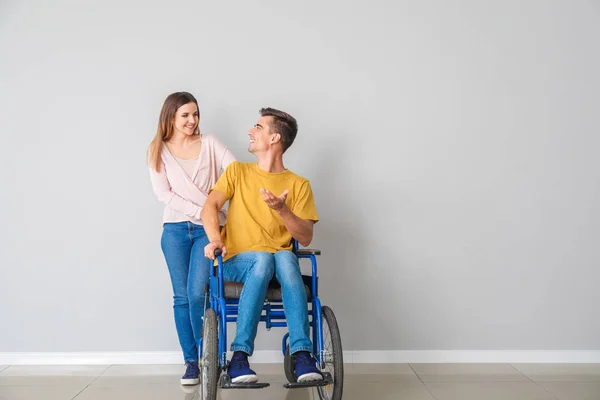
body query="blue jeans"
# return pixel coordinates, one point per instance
(183, 247)
(255, 269)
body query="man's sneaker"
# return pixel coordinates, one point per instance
(239, 369)
(306, 367)
(192, 374)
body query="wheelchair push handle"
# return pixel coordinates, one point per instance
(218, 252)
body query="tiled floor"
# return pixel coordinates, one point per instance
(362, 382)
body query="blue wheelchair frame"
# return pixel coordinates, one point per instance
(273, 316)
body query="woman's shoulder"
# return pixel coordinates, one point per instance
(210, 138)
(213, 143)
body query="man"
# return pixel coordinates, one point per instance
(268, 206)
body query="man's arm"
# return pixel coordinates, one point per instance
(301, 229)
(210, 221)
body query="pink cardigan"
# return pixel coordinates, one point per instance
(185, 196)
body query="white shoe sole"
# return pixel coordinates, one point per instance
(245, 379)
(313, 376)
(190, 382)
(189, 389)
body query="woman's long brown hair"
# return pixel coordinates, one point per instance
(165, 125)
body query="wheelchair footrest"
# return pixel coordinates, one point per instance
(327, 380)
(226, 383)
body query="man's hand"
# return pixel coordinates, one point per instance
(209, 249)
(277, 203)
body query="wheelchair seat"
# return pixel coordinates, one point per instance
(233, 290)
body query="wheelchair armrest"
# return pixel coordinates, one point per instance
(304, 252)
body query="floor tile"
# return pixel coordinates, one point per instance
(171, 391)
(379, 373)
(362, 381)
(140, 374)
(468, 373)
(144, 370)
(50, 375)
(560, 372)
(488, 391)
(415, 390)
(165, 374)
(39, 392)
(270, 369)
(76, 381)
(573, 390)
(272, 373)
(273, 392)
(402, 369)
(54, 370)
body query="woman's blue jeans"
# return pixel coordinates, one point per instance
(183, 247)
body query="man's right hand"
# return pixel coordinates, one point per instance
(209, 249)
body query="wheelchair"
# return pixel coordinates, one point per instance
(222, 300)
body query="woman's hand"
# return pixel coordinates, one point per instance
(209, 249)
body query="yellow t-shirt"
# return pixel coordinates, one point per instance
(251, 224)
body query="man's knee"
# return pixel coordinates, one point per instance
(286, 264)
(264, 265)
(286, 259)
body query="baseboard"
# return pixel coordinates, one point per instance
(350, 356)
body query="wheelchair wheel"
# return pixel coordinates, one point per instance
(288, 365)
(334, 360)
(210, 356)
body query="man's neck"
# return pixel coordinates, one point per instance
(272, 163)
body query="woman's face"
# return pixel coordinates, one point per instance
(186, 119)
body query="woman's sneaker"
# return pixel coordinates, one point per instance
(239, 369)
(306, 367)
(192, 374)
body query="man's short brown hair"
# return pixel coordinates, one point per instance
(284, 124)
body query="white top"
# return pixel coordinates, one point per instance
(184, 193)
(187, 165)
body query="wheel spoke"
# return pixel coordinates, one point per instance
(332, 357)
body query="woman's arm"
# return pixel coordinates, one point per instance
(164, 193)
(224, 156)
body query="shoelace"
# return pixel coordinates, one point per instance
(305, 360)
(190, 368)
(239, 363)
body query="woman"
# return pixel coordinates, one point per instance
(184, 165)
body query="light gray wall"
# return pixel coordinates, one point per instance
(452, 146)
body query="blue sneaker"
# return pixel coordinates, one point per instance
(239, 369)
(306, 367)
(192, 374)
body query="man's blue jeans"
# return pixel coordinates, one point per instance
(183, 246)
(255, 269)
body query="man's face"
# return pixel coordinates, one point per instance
(261, 136)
